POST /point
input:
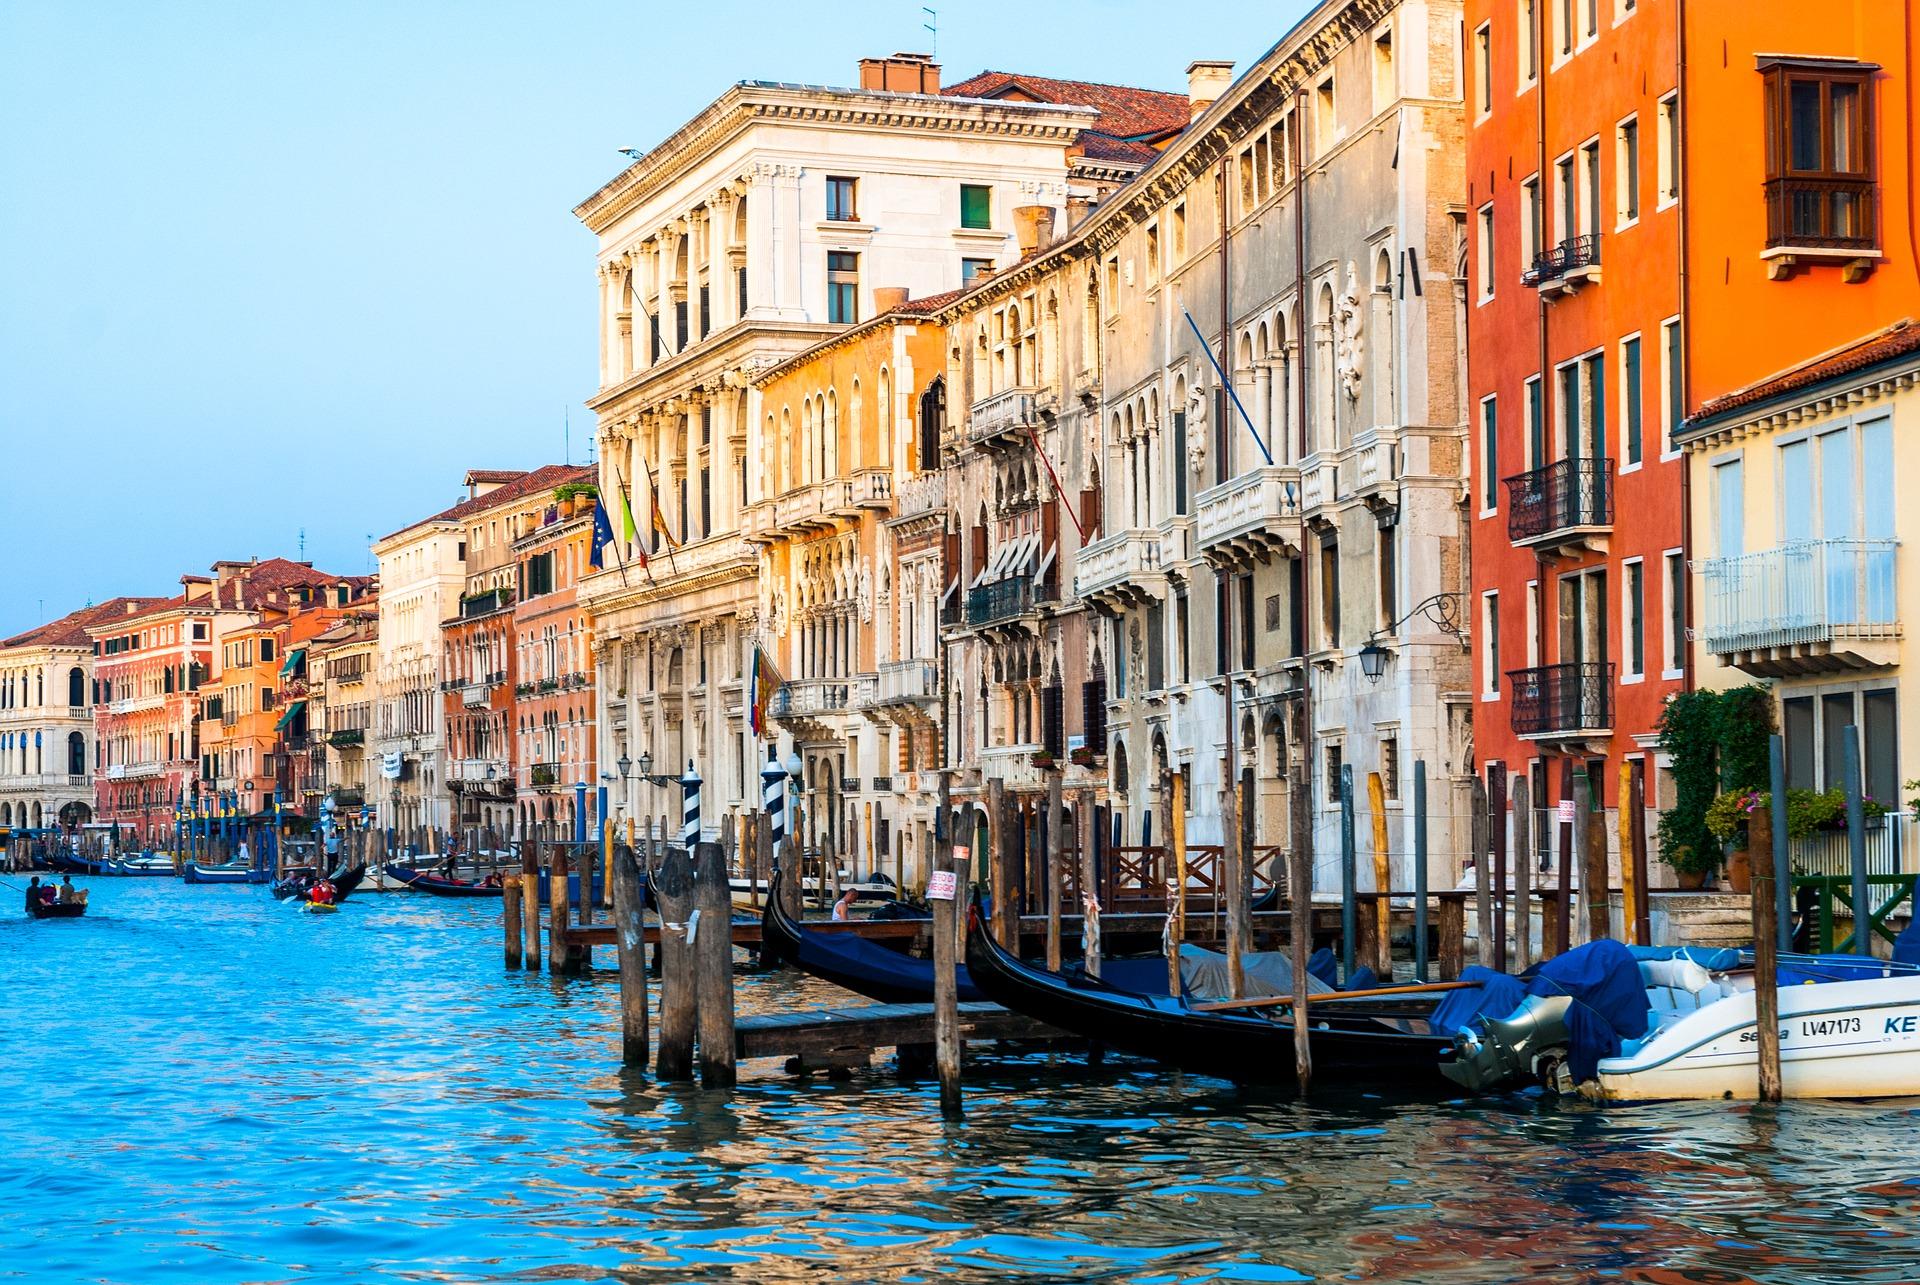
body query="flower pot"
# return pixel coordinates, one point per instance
(1740, 871)
(1690, 880)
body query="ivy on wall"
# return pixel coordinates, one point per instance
(1715, 741)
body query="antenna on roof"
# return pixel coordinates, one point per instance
(566, 434)
(933, 25)
(303, 544)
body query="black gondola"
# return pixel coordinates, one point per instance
(1389, 1041)
(420, 881)
(297, 883)
(57, 909)
(861, 966)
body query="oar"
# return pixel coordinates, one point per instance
(1286, 1001)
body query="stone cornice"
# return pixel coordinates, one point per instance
(752, 100)
(730, 350)
(1791, 410)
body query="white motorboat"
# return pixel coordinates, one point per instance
(1844, 1033)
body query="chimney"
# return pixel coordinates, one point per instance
(1206, 81)
(1078, 208)
(1033, 225)
(901, 74)
(887, 298)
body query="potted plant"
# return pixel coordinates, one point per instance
(1083, 756)
(569, 494)
(1043, 759)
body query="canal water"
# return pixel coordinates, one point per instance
(203, 1086)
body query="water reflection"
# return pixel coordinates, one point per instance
(237, 1093)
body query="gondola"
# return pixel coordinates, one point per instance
(344, 881)
(1372, 1040)
(854, 963)
(58, 909)
(444, 887)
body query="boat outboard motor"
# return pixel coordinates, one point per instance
(1496, 1051)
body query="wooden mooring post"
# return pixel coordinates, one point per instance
(1056, 846)
(530, 902)
(679, 996)
(948, 924)
(1419, 872)
(510, 917)
(1482, 877)
(1764, 852)
(559, 911)
(629, 939)
(1382, 880)
(1522, 871)
(712, 949)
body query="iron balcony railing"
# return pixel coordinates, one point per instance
(544, 776)
(1565, 495)
(1558, 700)
(1001, 600)
(1821, 214)
(1557, 261)
(1811, 591)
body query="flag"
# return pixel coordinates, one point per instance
(602, 536)
(627, 529)
(762, 681)
(659, 518)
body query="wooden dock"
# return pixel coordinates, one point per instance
(845, 1038)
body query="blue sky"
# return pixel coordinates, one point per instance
(297, 266)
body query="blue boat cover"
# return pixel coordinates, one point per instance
(1715, 959)
(858, 957)
(1906, 947)
(1324, 965)
(1609, 1001)
(1496, 995)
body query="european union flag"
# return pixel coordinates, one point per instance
(602, 536)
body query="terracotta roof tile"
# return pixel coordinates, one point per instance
(544, 478)
(1131, 119)
(71, 629)
(1901, 339)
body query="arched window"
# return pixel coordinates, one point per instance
(76, 753)
(884, 416)
(933, 413)
(76, 687)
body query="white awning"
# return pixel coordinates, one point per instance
(1040, 572)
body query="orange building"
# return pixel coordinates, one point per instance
(554, 707)
(1668, 200)
(481, 666)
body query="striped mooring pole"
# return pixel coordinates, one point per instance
(773, 798)
(690, 826)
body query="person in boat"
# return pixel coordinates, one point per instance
(322, 893)
(68, 893)
(33, 893)
(843, 908)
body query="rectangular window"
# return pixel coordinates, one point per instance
(1181, 628)
(1879, 727)
(1390, 766)
(1569, 197)
(1484, 252)
(706, 311)
(1626, 170)
(1490, 644)
(1383, 81)
(1179, 453)
(1673, 408)
(1667, 151)
(1532, 234)
(1729, 508)
(1177, 247)
(1675, 589)
(1820, 184)
(1633, 644)
(1389, 573)
(1564, 11)
(1592, 27)
(1323, 119)
(1489, 454)
(1590, 178)
(1536, 425)
(972, 270)
(1330, 593)
(843, 287)
(840, 206)
(1836, 719)
(1483, 69)
(1529, 58)
(1113, 287)
(1796, 720)
(976, 205)
(1630, 407)
(1153, 253)
(1334, 766)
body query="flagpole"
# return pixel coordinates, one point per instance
(1227, 383)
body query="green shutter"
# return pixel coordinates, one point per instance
(976, 206)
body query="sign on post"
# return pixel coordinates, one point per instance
(940, 886)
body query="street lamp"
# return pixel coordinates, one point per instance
(1441, 608)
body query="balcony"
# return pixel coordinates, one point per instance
(1822, 220)
(544, 776)
(803, 510)
(1253, 516)
(1004, 418)
(921, 495)
(1012, 766)
(1001, 601)
(804, 697)
(492, 777)
(133, 771)
(473, 695)
(1814, 606)
(1563, 702)
(1568, 504)
(136, 704)
(869, 488)
(907, 682)
(347, 736)
(482, 604)
(1566, 267)
(1120, 568)
(349, 796)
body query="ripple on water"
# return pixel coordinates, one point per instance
(246, 1094)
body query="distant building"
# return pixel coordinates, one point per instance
(340, 668)
(555, 697)
(46, 719)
